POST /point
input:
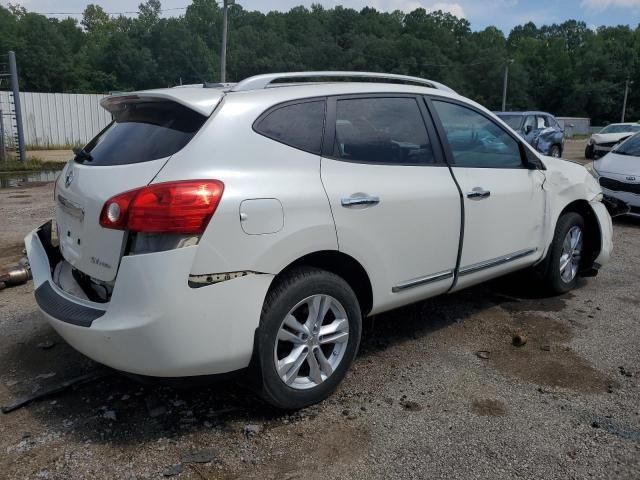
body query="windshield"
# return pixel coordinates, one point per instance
(141, 132)
(514, 121)
(630, 147)
(620, 129)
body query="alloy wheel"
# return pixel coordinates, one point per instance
(571, 254)
(311, 342)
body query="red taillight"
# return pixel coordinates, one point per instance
(172, 207)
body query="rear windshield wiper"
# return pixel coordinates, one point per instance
(81, 154)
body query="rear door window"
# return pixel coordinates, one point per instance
(299, 125)
(141, 132)
(382, 130)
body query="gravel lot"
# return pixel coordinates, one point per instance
(420, 402)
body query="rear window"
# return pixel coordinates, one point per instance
(141, 132)
(298, 125)
(514, 121)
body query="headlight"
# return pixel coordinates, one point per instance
(592, 170)
(598, 198)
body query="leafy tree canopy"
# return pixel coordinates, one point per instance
(567, 69)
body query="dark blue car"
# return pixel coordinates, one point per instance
(539, 129)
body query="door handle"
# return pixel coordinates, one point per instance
(478, 193)
(356, 200)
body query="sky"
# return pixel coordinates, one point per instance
(504, 14)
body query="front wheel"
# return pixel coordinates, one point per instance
(565, 255)
(588, 152)
(555, 151)
(308, 337)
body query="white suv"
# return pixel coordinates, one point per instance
(243, 226)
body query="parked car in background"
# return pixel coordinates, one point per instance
(602, 142)
(244, 227)
(541, 130)
(619, 173)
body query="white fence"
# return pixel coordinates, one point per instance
(60, 119)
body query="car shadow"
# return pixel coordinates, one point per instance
(121, 410)
(626, 221)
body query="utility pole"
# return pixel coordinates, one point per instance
(223, 53)
(504, 86)
(627, 84)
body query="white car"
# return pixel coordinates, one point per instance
(213, 230)
(602, 142)
(619, 173)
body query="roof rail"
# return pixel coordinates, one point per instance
(270, 80)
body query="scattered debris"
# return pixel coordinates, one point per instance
(110, 415)
(545, 348)
(172, 470)
(155, 407)
(483, 354)
(44, 376)
(625, 372)
(200, 456)
(46, 345)
(411, 406)
(519, 340)
(251, 430)
(54, 390)
(16, 276)
(11, 383)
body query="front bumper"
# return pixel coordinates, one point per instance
(631, 199)
(155, 324)
(606, 233)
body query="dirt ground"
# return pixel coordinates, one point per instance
(437, 391)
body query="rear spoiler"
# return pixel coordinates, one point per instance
(201, 100)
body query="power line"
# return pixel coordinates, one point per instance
(113, 13)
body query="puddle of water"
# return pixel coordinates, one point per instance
(11, 180)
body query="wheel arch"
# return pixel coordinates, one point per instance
(593, 235)
(343, 265)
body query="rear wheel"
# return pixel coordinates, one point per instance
(308, 337)
(565, 255)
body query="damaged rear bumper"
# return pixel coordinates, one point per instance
(154, 324)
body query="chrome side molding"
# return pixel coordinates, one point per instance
(476, 267)
(416, 282)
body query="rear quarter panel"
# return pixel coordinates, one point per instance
(254, 167)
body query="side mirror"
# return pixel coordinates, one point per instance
(528, 129)
(531, 160)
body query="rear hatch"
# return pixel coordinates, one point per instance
(145, 132)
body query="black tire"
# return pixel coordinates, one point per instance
(588, 152)
(297, 285)
(555, 151)
(552, 279)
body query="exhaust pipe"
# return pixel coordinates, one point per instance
(16, 276)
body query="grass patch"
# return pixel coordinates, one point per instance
(33, 164)
(67, 146)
